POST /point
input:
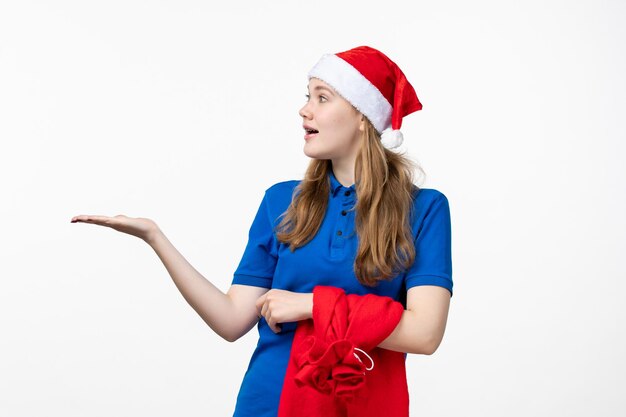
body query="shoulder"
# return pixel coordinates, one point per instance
(282, 187)
(280, 191)
(428, 196)
(278, 196)
(428, 202)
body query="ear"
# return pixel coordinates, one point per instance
(362, 124)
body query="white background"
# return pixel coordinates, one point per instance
(186, 111)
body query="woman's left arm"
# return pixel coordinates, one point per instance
(419, 331)
(423, 323)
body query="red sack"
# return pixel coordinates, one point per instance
(335, 367)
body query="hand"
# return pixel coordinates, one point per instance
(140, 227)
(280, 306)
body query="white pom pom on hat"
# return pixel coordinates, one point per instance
(374, 85)
(391, 138)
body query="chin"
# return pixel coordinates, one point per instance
(313, 153)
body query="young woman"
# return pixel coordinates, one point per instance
(355, 222)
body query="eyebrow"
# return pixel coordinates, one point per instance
(320, 87)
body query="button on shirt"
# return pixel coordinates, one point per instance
(326, 260)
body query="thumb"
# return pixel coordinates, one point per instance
(259, 303)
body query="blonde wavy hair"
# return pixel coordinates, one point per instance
(384, 189)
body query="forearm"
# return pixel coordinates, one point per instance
(215, 307)
(413, 334)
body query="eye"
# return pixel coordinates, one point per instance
(321, 97)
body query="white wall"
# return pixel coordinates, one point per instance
(185, 111)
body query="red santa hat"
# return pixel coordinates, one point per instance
(374, 85)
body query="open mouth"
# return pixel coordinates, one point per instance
(309, 133)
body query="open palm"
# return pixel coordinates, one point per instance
(137, 226)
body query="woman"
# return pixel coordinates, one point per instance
(355, 222)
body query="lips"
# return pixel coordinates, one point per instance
(309, 132)
(308, 135)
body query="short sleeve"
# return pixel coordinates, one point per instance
(433, 249)
(258, 262)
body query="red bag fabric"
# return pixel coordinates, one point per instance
(335, 367)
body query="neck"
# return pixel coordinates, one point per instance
(344, 172)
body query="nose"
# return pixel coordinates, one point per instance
(305, 112)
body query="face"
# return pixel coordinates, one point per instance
(339, 125)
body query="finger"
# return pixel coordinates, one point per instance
(276, 328)
(273, 322)
(259, 311)
(273, 326)
(259, 302)
(268, 319)
(100, 220)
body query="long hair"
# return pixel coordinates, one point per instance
(384, 202)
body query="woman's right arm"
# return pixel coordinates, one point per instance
(230, 315)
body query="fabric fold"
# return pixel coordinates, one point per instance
(336, 367)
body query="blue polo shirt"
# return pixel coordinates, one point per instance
(326, 260)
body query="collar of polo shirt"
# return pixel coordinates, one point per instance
(335, 185)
